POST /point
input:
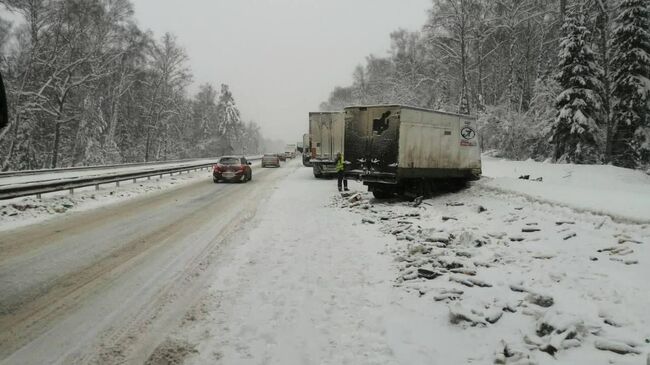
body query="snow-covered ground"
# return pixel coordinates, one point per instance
(498, 273)
(508, 271)
(623, 194)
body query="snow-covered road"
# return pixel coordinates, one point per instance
(102, 285)
(327, 281)
(287, 271)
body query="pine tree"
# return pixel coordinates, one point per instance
(631, 82)
(229, 122)
(575, 133)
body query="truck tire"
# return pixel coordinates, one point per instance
(317, 171)
(381, 194)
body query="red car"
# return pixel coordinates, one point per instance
(232, 168)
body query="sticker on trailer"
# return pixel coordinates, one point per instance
(467, 133)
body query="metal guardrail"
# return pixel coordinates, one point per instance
(50, 186)
(95, 167)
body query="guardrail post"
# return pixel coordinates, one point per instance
(71, 191)
(117, 184)
(134, 180)
(148, 177)
(96, 187)
(38, 196)
(161, 176)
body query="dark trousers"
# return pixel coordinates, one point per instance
(342, 179)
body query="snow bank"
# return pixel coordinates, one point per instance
(622, 194)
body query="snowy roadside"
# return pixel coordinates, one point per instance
(507, 280)
(622, 194)
(473, 277)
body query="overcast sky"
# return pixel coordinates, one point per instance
(281, 58)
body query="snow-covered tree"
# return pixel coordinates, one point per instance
(631, 83)
(229, 123)
(575, 132)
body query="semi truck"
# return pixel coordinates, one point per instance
(396, 149)
(306, 150)
(326, 132)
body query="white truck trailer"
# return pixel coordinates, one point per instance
(290, 151)
(397, 149)
(326, 132)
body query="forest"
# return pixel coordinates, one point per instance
(558, 80)
(86, 85)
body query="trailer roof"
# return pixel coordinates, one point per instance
(409, 107)
(329, 112)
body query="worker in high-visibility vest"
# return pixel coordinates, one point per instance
(340, 172)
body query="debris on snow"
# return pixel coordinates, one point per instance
(560, 223)
(494, 315)
(355, 198)
(506, 355)
(428, 274)
(457, 254)
(455, 204)
(615, 346)
(569, 235)
(458, 314)
(530, 230)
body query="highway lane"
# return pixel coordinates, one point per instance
(93, 286)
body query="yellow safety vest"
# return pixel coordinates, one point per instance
(340, 164)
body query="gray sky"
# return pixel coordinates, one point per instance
(281, 58)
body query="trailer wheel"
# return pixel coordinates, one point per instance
(382, 194)
(317, 171)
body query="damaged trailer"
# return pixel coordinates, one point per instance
(326, 133)
(395, 149)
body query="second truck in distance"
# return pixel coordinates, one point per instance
(327, 133)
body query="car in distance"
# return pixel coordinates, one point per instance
(281, 156)
(270, 159)
(232, 169)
